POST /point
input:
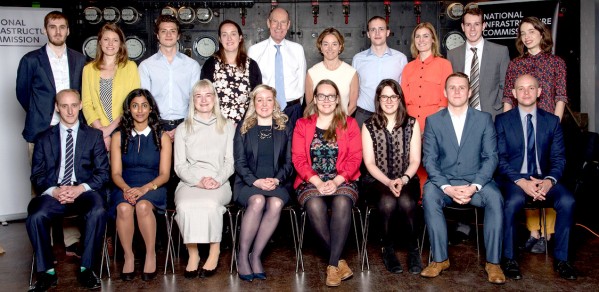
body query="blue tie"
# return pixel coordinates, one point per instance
(280, 78)
(531, 156)
(68, 161)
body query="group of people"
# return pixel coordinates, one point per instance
(170, 126)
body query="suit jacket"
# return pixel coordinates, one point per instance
(349, 156)
(36, 88)
(473, 160)
(549, 141)
(245, 150)
(91, 160)
(493, 66)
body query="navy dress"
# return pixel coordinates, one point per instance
(141, 164)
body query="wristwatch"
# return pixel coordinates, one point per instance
(552, 180)
(154, 187)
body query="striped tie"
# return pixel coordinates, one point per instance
(474, 84)
(68, 163)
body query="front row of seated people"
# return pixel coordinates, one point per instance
(461, 151)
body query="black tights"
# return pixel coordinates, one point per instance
(332, 231)
(406, 205)
(257, 226)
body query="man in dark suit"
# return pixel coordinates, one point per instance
(70, 167)
(531, 162)
(493, 60)
(41, 74)
(460, 156)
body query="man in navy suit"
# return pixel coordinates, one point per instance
(70, 167)
(41, 74)
(460, 156)
(531, 162)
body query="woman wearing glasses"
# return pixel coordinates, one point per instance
(326, 153)
(392, 143)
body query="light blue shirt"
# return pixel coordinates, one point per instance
(372, 69)
(170, 83)
(63, 149)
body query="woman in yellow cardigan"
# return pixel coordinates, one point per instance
(107, 80)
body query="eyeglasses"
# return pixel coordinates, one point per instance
(387, 97)
(322, 97)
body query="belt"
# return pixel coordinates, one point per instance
(171, 122)
(361, 110)
(294, 102)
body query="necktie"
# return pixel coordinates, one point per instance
(474, 74)
(68, 162)
(531, 154)
(280, 78)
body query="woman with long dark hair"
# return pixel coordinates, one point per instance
(140, 162)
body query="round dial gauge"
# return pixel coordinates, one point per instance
(169, 11)
(111, 14)
(453, 39)
(93, 15)
(455, 11)
(89, 47)
(130, 15)
(204, 15)
(135, 47)
(205, 46)
(186, 14)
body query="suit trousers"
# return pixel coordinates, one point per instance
(489, 198)
(563, 203)
(44, 209)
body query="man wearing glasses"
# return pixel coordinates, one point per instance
(375, 64)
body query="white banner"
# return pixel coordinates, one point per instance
(21, 31)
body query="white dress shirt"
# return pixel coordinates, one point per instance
(60, 72)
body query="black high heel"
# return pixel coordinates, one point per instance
(148, 276)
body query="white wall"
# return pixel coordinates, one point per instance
(589, 43)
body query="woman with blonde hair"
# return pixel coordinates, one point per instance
(262, 181)
(204, 163)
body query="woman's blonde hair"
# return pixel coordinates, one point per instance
(339, 118)
(220, 120)
(435, 50)
(251, 118)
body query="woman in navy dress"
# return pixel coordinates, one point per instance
(141, 162)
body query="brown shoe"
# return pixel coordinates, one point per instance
(344, 271)
(495, 273)
(333, 277)
(434, 269)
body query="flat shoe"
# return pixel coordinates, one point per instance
(248, 277)
(207, 273)
(260, 276)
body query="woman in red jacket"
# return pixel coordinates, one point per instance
(327, 152)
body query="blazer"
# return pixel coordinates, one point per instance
(493, 66)
(549, 141)
(349, 157)
(124, 81)
(473, 160)
(36, 88)
(91, 160)
(245, 151)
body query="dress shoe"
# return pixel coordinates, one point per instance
(73, 250)
(511, 269)
(344, 271)
(414, 262)
(333, 277)
(127, 276)
(494, 273)
(44, 282)
(190, 274)
(530, 243)
(260, 276)
(148, 276)
(247, 278)
(434, 269)
(540, 246)
(207, 273)
(390, 260)
(565, 270)
(89, 279)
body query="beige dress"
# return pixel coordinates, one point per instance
(202, 153)
(342, 77)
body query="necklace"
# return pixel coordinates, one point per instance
(265, 133)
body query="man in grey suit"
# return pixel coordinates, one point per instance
(460, 156)
(493, 60)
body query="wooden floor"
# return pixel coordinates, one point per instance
(466, 272)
